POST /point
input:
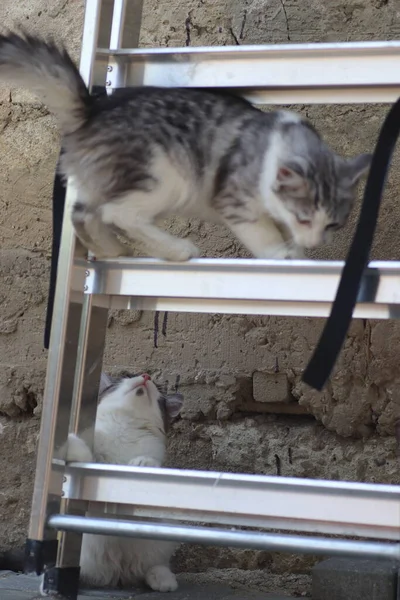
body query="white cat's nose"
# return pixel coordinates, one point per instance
(146, 377)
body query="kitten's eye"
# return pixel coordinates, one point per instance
(332, 226)
(306, 222)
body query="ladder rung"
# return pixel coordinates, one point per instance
(224, 537)
(367, 510)
(248, 286)
(303, 73)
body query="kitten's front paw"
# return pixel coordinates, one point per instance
(282, 253)
(180, 250)
(295, 253)
(144, 461)
(161, 579)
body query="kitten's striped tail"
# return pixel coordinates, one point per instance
(49, 72)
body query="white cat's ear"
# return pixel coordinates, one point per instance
(290, 180)
(356, 167)
(174, 405)
(105, 382)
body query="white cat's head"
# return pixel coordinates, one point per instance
(140, 399)
(313, 189)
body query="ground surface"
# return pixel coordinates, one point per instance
(25, 587)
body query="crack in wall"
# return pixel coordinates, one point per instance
(233, 34)
(188, 27)
(236, 38)
(241, 34)
(286, 19)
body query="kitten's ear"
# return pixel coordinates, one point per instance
(356, 167)
(290, 179)
(174, 405)
(105, 382)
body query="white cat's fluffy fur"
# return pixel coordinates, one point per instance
(129, 430)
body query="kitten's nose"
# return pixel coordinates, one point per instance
(146, 377)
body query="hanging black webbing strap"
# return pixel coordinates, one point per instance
(59, 192)
(334, 333)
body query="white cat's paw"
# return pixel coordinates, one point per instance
(161, 579)
(180, 250)
(78, 450)
(144, 461)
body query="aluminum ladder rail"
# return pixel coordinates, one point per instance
(87, 289)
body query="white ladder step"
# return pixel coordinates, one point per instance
(238, 286)
(334, 507)
(279, 74)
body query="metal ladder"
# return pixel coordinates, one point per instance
(87, 289)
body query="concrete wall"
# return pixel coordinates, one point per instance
(245, 408)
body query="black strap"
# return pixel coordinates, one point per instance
(59, 192)
(323, 360)
(58, 215)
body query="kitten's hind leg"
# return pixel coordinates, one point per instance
(78, 218)
(129, 215)
(96, 236)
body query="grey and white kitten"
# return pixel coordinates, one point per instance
(144, 154)
(131, 424)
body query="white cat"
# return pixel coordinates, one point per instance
(131, 425)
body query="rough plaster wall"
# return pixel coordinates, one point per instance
(223, 362)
